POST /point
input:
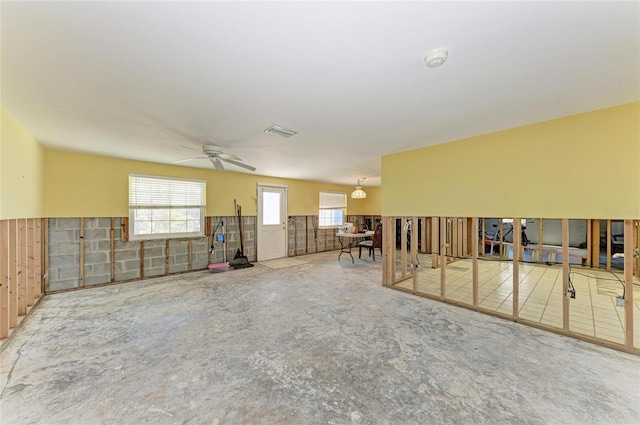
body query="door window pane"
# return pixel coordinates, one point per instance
(270, 208)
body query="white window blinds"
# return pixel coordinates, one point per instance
(333, 209)
(151, 191)
(333, 200)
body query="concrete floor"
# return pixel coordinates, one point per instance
(317, 342)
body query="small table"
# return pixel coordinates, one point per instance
(348, 240)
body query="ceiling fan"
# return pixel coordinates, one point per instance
(216, 155)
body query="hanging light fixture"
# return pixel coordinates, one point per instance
(359, 193)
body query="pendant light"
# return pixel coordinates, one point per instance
(359, 193)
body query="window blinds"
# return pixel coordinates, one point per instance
(152, 191)
(333, 200)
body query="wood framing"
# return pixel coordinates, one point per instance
(589, 242)
(81, 280)
(474, 255)
(403, 247)
(608, 244)
(628, 283)
(517, 228)
(484, 232)
(414, 252)
(4, 279)
(500, 235)
(166, 256)
(22, 267)
(112, 259)
(423, 235)
(37, 256)
(190, 245)
(595, 243)
(565, 274)
(124, 229)
(435, 237)
(30, 280)
(141, 259)
(45, 242)
(443, 258)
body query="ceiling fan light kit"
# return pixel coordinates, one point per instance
(436, 57)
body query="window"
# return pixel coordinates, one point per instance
(163, 207)
(333, 209)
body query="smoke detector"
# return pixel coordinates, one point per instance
(436, 57)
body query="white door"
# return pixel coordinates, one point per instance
(272, 222)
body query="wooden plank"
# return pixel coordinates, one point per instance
(13, 273)
(565, 274)
(517, 229)
(595, 243)
(81, 252)
(608, 244)
(112, 235)
(423, 234)
(474, 254)
(482, 237)
(403, 247)
(37, 260)
(29, 279)
(454, 237)
(166, 256)
(628, 283)
(500, 236)
(22, 267)
(636, 231)
(306, 233)
(435, 244)
(392, 241)
(142, 259)
(443, 258)
(540, 238)
(385, 253)
(124, 229)
(4, 279)
(589, 239)
(190, 253)
(45, 243)
(414, 253)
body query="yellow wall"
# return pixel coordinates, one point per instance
(581, 166)
(79, 185)
(21, 171)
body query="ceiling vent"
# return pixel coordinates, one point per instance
(280, 131)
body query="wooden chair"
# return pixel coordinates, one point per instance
(375, 242)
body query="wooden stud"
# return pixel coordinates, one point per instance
(385, 254)
(112, 235)
(454, 237)
(191, 251)
(540, 236)
(306, 234)
(500, 235)
(392, 242)
(124, 229)
(403, 247)
(414, 253)
(595, 243)
(4, 279)
(14, 289)
(166, 256)
(37, 253)
(141, 259)
(22, 267)
(636, 231)
(45, 243)
(589, 239)
(474, 254)
(517, 228)
(435, 244)
(608, 244)
(423, 235)
(565, 274)
(443, 258)
(29, 279)
(295, 236)
(628, 283)
(81, 252)
(482, 237)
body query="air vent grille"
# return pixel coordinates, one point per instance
(280, 131)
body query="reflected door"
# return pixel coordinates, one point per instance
(272, 224)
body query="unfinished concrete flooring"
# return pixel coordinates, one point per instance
(318, 342)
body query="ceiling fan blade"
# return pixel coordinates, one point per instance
(239, 164)
(217, 164)
(229, 156)
(188, 159)
(190, 148)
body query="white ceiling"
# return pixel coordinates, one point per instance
(138, 79)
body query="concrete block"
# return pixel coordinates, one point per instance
(65, 247)
(62, 260)
(181, 259)
(96, 258)
(104, 223)
(127, 275)
(103, 268)
(153, 252)
(101, 245)
(66, 223)
(177, 268)
(94, 280)
(92, 234)
(126, 254)
(68, 272)
(151, 271)
(56, 236)
(156, 262)
(130, 265)
(63, 284)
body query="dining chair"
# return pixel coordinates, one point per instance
(371, 245)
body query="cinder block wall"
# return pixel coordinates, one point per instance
(136, 260)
